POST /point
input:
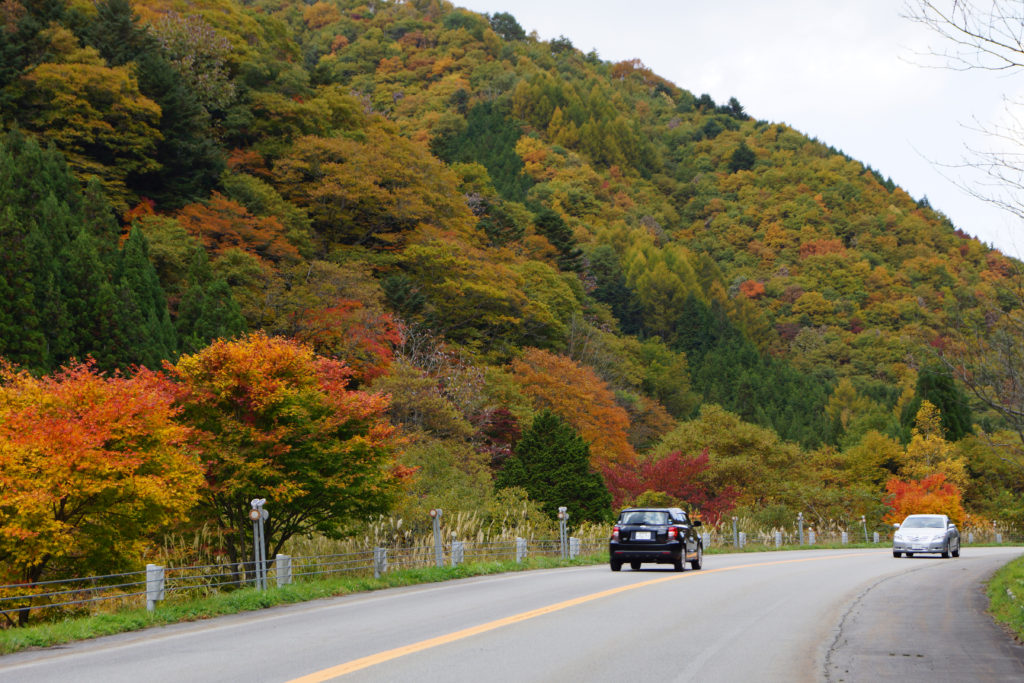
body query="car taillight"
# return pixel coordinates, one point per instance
(673, 533)
(615, 533)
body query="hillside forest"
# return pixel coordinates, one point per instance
(372, 257)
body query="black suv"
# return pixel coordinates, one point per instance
(658, 535)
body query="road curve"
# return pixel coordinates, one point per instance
(816, 615)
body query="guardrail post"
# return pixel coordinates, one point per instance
(574, 548)
(811, 538)
(743, 539)
(283, 566)
(258, 514)
(563, 518)
(520, 549)
(458, 553)
(706, 538)
(155, 583)
(846, 538)
(380, 562)
(800, 524)
(999, 538)
(970, 537)
(876, 537)
(735, 536)
(435, 514)
(778, 539)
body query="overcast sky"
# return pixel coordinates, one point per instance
(843, 71)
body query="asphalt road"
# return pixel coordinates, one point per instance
(818, 615)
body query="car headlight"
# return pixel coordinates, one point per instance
(898, 536)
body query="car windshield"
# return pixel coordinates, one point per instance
(644, 517)
(930, 522)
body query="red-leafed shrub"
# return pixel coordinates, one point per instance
(931, 495)
(677, 475)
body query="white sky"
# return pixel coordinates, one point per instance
(843, 71)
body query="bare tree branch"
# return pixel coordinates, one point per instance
(977, 34)
(986, 35)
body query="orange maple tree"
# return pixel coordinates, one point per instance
(752, 289)
(350, 330)
(274, 420)
(931, 495)
(576, 394)
(91, 466)
(224, 224)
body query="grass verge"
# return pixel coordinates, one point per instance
(49, 634)
(1006, 596)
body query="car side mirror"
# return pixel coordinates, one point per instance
(895, 526)
(696, 522)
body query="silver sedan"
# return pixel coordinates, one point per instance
(926, 534)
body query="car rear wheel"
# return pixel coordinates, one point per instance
(616, 566)
(678, 564)
(634, 565)
(956, 553)
(897, 554)
(699, 562)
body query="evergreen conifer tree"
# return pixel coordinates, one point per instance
(38, 213)
(143, 322)
(101, 224)
(554, 227)
(90, 300)
(207, 310)
(743, 158)
(937, 386)
(191, 162)
(116, 33)
(552, 462)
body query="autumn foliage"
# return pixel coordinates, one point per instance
(677, 475)
(931, 495)
(349, 330)
(365, 182)
(274, 420)
(752, 289)
(222, 224)
(581, 398)
(91, 468)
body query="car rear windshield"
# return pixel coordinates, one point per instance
(644, 517)
(923, 523)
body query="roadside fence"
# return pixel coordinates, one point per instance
(90, 594)
(741, 532)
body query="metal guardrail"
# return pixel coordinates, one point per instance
(134, 589)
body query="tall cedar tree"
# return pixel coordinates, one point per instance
(552, 462)
(38, 216)
(207, 311)
(142, 318)
(936, 385)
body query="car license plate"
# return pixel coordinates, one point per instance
(918, 547)
(641, 535)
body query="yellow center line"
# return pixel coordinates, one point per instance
(388, 655)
